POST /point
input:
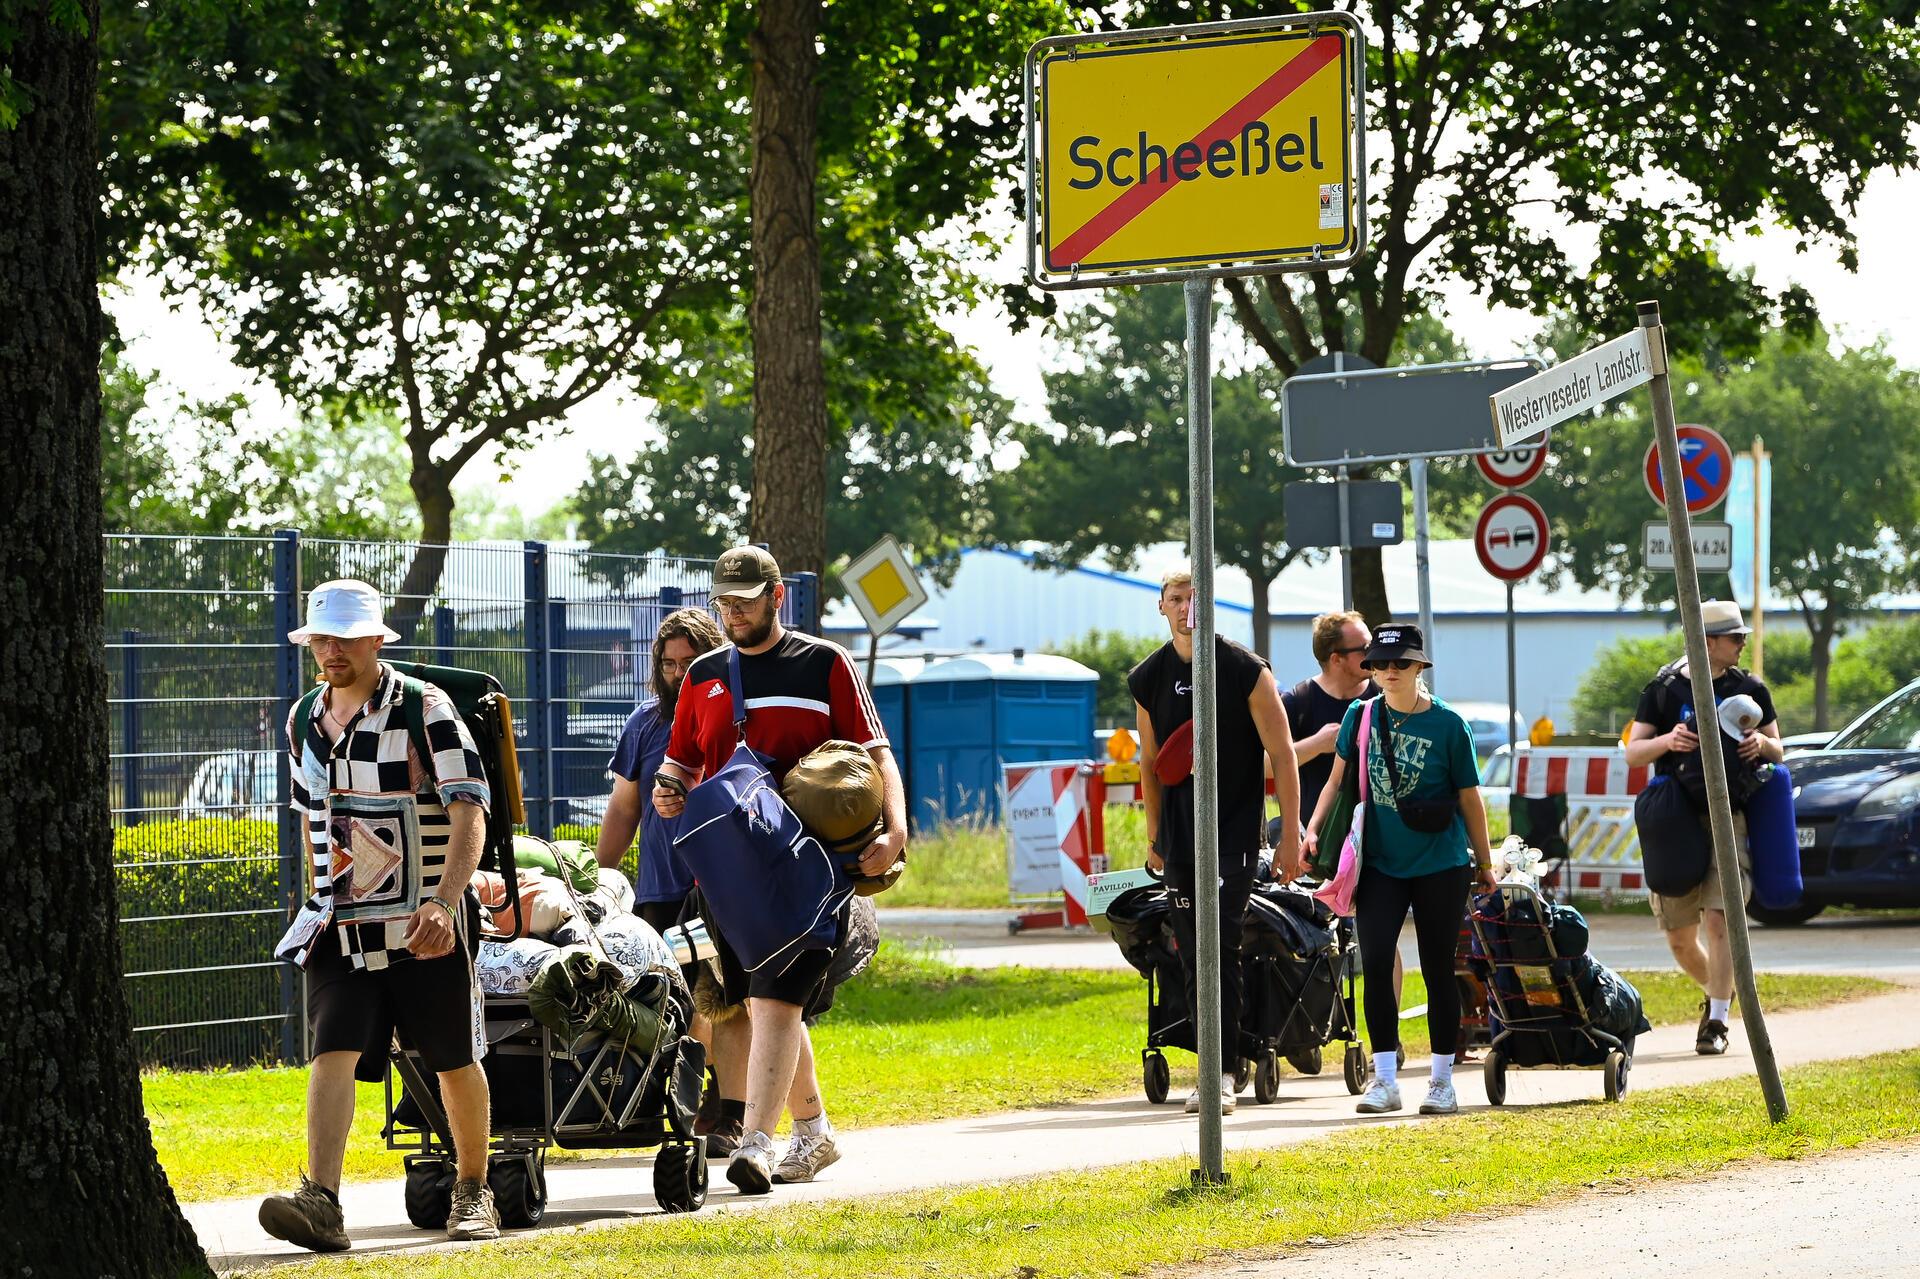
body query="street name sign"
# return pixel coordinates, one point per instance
(1706, 463)
(1567, 390)
(1359, 416)
(1510, 536)
(1712, 547)
(1513, 468)
(1157, 153)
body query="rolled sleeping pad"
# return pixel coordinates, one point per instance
(1774, 841)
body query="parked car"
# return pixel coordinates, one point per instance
(1857, 805)
(1496, 781)
(234, 784)
(1486, 721)
(1797, 743)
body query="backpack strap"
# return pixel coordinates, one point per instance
(413, 706)
(733, 686)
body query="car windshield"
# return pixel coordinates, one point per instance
(1495, 773)
(1894, 726)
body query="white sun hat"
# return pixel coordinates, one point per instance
(343, 609)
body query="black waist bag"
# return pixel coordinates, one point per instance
(1428, 816)
(1675, 852)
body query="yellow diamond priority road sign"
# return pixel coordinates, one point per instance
(1157, 154)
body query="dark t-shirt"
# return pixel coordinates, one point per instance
(1311, 708)
(1668, 699)
(1163, 684)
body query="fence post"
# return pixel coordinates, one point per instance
(537, 759)
(559, 688)
(443, 636)
(289, 668)
(130, 798)
(806, 602)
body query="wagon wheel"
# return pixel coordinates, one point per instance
(1308, 1061)
(1158, 1078)
(429, 1192)
(1616, 1075)
(1493, 1073)
(1354, 1067)
(519, 1188)
(1266, 1078)
(1242, 1072)
(680, 1176)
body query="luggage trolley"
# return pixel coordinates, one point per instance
(1538, 1017)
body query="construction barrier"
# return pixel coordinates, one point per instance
(1056, 837)
(1577, 802)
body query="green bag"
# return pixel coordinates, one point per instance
(1326, 854)
(530, 852)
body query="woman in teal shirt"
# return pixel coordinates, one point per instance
(1426, 832)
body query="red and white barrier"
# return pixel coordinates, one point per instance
(1604, 848)
(1056, 834)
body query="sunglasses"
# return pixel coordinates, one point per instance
(1395, 663)
(1357, 648)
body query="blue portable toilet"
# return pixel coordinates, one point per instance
(891, 675)
(969, 715)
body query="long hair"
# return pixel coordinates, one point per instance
(697, 628)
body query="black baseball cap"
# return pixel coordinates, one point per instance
(1397, 640)
(744, 572)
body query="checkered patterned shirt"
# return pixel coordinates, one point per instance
(375, 756)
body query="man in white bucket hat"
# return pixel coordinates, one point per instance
(394, 835)
(1665, 734)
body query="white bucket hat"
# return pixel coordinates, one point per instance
(1722, 617)
(343, 609)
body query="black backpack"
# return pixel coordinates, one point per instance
(1743, 779)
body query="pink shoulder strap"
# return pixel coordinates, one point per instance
(1366, 735)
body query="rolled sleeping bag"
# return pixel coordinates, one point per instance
(1773, 839)
(838, 794)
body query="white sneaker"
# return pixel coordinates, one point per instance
(1380, 1099)
(1440, 1099)
(751, 1168)
(1227, 1098)
(806, 1155)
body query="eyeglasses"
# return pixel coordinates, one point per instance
(735, 607)
(1396, 663)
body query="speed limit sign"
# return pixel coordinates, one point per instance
(1513, 468)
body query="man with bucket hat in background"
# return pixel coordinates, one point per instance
(797, 692)
(1251, 724)
(1666, 734)
(394, 834)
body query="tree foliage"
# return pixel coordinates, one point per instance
(1841, 529)
(1508, 132)
(1113, 654)
(473, 217)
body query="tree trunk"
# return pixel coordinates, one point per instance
(1262, 612)
(1370, 588)
(434, 492)
(789, 511)
(85, 1195)
(1822, 633)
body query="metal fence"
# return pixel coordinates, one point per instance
(202, 680)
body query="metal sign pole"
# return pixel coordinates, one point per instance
(1719, 808)
(1346, 543)
(1206, 735)
(1512, 697)
(1420, 560)
(1761, 514)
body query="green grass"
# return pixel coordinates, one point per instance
(1142, 1217)
(948, 1042)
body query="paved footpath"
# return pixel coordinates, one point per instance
(1884, 945)
(1847, 1214)
(997, 1147)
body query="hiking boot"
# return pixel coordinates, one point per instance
(1380, 1099)
(308, 1218)
(1440, 1099)
(724, 1138)
(752, 1166)
(1712, 1039)
(473, 1215)
(806, 1155)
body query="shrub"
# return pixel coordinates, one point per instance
(1112, 654)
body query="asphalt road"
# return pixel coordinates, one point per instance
(1879, 945)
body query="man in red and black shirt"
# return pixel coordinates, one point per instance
(800, 692)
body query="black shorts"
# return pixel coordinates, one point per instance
(660, 916)
(803, 982)
(433, 1004)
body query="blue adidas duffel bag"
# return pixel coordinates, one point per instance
(772, 889)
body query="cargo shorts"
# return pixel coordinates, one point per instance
(1685, 910)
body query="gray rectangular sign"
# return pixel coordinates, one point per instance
(1312, 510)
(1388, 415)
(1712, 546)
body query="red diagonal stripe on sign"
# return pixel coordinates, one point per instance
(1139, 197)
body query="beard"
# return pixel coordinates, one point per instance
(752, 634)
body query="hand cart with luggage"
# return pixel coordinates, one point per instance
(1550, 1004)
(1298, 965)
(597, 1058)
